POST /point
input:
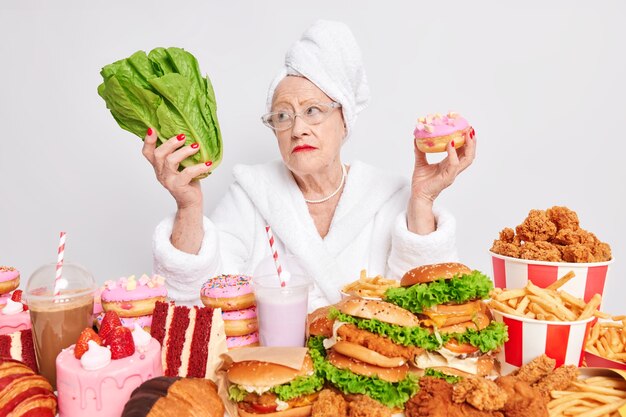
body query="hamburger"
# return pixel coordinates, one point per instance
(272, 390)
(447, 298)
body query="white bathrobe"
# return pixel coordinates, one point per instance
(368, 231)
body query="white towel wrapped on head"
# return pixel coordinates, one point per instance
(327, 55)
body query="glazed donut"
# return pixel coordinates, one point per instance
(228, 292)
(9, 279)
(240, 322)
(434, 132)
(144, 321)
(131, 297)
(236, 342)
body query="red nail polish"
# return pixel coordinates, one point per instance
(194, 146)
(209, 163)
(150, 131)
(181, 136)
(452, 143)
(472, 133)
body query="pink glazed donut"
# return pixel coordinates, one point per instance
(131, 297)
(240, 322)
(434, 132)
(228, 292)
(236, 342)
(9, 279)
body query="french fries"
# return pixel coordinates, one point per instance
(373, 287)
(548, 303)
(598, 396)
(608, 339)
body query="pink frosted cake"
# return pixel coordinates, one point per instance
(132, 297)
(434, 132)
(97, 385)
(14, 316)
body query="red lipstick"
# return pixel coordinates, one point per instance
(303, 148)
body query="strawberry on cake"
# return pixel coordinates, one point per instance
(96, 376)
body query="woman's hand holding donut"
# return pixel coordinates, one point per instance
(166, 159)
(429, 180)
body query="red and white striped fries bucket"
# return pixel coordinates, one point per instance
(595, 361)
(589, 279)
(528, 338)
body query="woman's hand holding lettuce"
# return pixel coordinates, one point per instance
(165, 91)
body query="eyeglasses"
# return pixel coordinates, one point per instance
(312, 115)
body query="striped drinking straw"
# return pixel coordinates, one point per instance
(279, 269)
(59, 269)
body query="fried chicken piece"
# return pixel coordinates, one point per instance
(563, 217)
(578, 253)
(434, 399)
(602, 252)
(536, 227)
(571, 237)
(534, 370)
(540, 251)
(382, 345)
(523, 400)
(364, 406)
(329, 404)
(558, 380)
(508, 235)
(482, 393)
(505, 248)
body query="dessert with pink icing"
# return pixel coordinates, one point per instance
(143, 321)
(96, 381)
(228, 292)
(133, 297)
(9, 279)
(14, 315)
(248, 340)
(434, 132)
(240, 322)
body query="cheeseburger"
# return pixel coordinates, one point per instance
(447, 298)
(272, 390)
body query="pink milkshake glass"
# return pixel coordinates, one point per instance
(282, 311)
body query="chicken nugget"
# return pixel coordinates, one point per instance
(540, 251)
(536, 227)
(329, 404)
(364, 406)
(578, 253)
(563, 217)
(507, 235)
(505, 248)
(602, 252)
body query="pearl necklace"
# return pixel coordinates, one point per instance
(334, 193)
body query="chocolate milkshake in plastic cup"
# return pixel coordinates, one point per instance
(281, 302)
(59, 310)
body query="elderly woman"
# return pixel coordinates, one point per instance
(335, 218)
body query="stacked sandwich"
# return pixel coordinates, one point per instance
(435, 320)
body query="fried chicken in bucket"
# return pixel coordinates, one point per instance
(552, 235)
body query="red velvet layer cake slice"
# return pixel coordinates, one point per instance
(19, 346)
(192, 339)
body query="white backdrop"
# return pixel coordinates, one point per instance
(542, 83)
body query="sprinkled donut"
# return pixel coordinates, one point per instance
(9, 279)
(228, 292)
(434, 132)
(240, 322)
(237, 342)
(132, 297)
